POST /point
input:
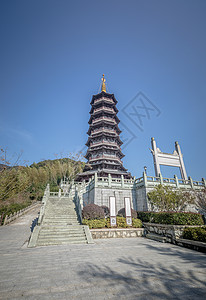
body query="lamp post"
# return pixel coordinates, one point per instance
(145, 169)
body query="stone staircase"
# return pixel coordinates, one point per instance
(60, 224)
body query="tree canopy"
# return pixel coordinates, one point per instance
(164, 198)
(20, 183)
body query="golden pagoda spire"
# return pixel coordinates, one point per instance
(103, 84)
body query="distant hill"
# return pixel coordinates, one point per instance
(3, 167)
(48, 162)
(29, 182)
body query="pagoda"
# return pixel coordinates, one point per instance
(104, 144)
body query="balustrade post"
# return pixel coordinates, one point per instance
(161, 179)
(145, 178)
(5, 220)
(191, 182)
(176, 181)
(122, 180)
(204, 182)
(109, 180)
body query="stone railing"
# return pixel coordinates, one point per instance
(9, 218)
(44, 200)
(152, 181)
(113, 182)
(171, 232)
(79, 205)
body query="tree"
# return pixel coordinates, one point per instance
(164, 198)
(22, 183)
(201, 201)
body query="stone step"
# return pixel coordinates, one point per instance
(60, 220)
(65, 224)
(60, 224)
(61, 238)
(61, 214)
(58, 227)
(61, 243)
(59, 209)
(57, 233)
(61, 232)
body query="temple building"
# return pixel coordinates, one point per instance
(104, 144)
(104, 176)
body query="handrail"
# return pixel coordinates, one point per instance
(44, 201)
(9, 218)
(78, 205)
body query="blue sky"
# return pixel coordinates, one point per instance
(52, 57)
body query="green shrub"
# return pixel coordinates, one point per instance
(121, 213)
(101, 223)
(54, 188)
(121, 222)
(105, 223)
(171, 218)
(195, 233)
(136, 223)
(92, 211)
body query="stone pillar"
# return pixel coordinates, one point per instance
(177, 181)
(155, 158)
(109, 180)
(112, 206)
(182, 166)
(122, 181)
(145, 178)
(161, 179)
(191, 182)
(204, 182)
(128, 212)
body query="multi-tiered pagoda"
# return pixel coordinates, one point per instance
(104, 144)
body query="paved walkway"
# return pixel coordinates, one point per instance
(134, 268)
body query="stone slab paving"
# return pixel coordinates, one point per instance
(133, 268)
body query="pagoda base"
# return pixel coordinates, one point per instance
(87, 175)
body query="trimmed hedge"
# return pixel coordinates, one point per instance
(171, 218)
(136, 223)
(195, 234)
(95, 223)
(105, 223)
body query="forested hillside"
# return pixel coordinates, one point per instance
(22, 184)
